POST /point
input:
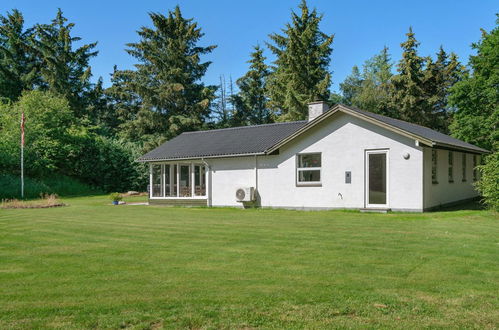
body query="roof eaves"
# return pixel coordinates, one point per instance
(476, 150)
(200, 157)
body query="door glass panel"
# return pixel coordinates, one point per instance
(377, 178)
(199, 180)
(157, 181)
(185, 181)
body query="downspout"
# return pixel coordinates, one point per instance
(209, 184)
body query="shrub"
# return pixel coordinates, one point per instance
(489, 181)
(58, 143)
(115, 197)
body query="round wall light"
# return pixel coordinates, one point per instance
(406, 155)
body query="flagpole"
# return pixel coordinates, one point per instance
(22, 155)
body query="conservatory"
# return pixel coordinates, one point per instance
(177, 181)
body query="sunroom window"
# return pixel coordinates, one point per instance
(184, 180)
(157, 180)
(199, 180)
(308, 169)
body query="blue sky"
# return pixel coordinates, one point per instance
(361, 28)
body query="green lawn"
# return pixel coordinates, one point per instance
(93, 265)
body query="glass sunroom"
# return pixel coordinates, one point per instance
(177, 181)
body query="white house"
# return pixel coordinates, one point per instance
(339, 158)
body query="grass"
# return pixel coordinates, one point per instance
(93, 265)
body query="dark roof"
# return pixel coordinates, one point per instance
(263, 139)
(438, 138)
(246, 140)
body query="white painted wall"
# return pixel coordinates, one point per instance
(342, 140)
(444, 191)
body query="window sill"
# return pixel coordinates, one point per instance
(311, 184)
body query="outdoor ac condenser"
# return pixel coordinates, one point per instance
(245, 194)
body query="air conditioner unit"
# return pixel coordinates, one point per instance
(245, 194)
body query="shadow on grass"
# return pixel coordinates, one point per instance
(474, 205)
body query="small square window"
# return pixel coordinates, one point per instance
(308, 169)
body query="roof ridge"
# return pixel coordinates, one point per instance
(243, 127)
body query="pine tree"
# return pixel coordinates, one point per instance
(439, 77)
(18, 65)
(65, 71)
(476, 97)
(408, 94)
(251, 101)
(301, 71)
(167, 78)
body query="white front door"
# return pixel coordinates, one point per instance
(376, 178)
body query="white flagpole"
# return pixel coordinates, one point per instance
(22, 171)
(22, 156)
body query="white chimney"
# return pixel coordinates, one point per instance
(315, 109)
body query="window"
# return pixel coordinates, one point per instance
(157, 180)
(475, 170)
(185, 181)
(199, 180)
(308, 169)
(463, 167)
(451, 166)
(178, 180)
(434, 165)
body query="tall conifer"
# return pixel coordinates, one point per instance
(301, 71)
(251, 101)
(168, 76)
(18, 66)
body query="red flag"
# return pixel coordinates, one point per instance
(22, 129)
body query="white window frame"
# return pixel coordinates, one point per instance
(366, 180)
(299, 169)
(191, 178)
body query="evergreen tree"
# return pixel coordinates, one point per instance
(301, 72)
(371, 89)
(251, 101)
(408, 94)
(351, 86)
(65, 71)
(18, 66)
(476, 98)
(167, 78)
(439, 77)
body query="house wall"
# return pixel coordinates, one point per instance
(445, 192)
(342, 140)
